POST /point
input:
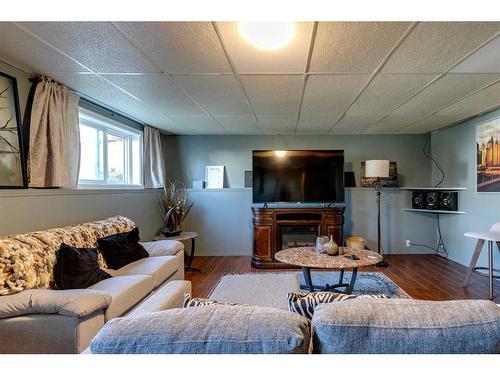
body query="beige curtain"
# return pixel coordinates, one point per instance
(154, 169)
(54, 139)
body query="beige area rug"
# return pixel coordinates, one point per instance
(270, 288)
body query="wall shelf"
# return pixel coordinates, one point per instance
(439, 188)
(434, 211)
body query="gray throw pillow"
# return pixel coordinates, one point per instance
(305, 303)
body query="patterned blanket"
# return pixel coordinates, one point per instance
(27, 260)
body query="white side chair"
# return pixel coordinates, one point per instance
(492, 235)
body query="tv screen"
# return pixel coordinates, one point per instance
(298, 176)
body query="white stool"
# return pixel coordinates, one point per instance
(492, 235)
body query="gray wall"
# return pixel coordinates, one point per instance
(454, 149)
(223, 217)
(32, 209)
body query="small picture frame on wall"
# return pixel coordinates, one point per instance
(214, 177)
(488, 156)
(12, 161)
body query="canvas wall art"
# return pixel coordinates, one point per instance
(488, 156)
(391, 181)
(12, 167)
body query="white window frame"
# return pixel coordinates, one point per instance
(109, 126)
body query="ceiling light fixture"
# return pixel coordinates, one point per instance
(268, 35)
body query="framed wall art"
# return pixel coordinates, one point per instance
(488, 156)
(12, 163)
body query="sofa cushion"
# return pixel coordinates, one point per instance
(206, 329)
(163, 247)
(71, 302)
(405, 326)
(27, 260)
(125, 291)
(77, 268)
(161, 268)
(121, 249)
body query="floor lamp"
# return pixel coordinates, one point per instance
(378, 169)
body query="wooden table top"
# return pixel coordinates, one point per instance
(308, 257)
(183, 236)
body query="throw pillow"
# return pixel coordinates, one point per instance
(77, 268)
(305, 303)
(195, 302)
(121, 249)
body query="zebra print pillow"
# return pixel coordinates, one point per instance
(305, 303)
(194, 302)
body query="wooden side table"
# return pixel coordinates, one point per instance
(183, 236)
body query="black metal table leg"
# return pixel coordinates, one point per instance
(349, 289)
(307, 277)
(190, 258)
(331, 288)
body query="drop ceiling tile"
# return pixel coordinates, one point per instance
(100, 90)
(273, 94)
(244, 125)
(429, 124)
(98, 45)
(485, 60)
(315, 124)
(217, 94)
(247, 58)
(391, 124)
(162, 122)
(433, 47)
(277, 125)
(198, 125)
(386, 91)
(179, 47)
(442, 92)
(329, 95)
(354, 47)
(21, 49)
(159, 91)
(476, 103)
(354, 124)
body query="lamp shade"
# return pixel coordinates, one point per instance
(377, 168)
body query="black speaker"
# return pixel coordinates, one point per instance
(431, 200)
(418, 200)
(448, 200)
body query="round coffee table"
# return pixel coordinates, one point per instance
(307, 258)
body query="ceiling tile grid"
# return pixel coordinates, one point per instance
(433, 47)
(217, 94)
(273, 94)
(354, 47)
(329, 95)
(204, 78)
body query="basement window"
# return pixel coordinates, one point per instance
(110, 153)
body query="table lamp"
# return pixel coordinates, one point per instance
(378, 169)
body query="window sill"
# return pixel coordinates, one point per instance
(80, 191)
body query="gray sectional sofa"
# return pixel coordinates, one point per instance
(362, 325)
(39, 319)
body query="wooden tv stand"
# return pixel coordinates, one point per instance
(269, 225)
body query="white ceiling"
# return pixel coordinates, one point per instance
(335, 77)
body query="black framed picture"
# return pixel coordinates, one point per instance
(12, 163)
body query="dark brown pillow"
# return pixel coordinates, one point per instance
(121, 249)
(77, 268)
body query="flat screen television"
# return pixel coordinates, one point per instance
(304, 176)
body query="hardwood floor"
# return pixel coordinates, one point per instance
(427, 277)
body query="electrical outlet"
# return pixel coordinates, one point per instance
(408, 243)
